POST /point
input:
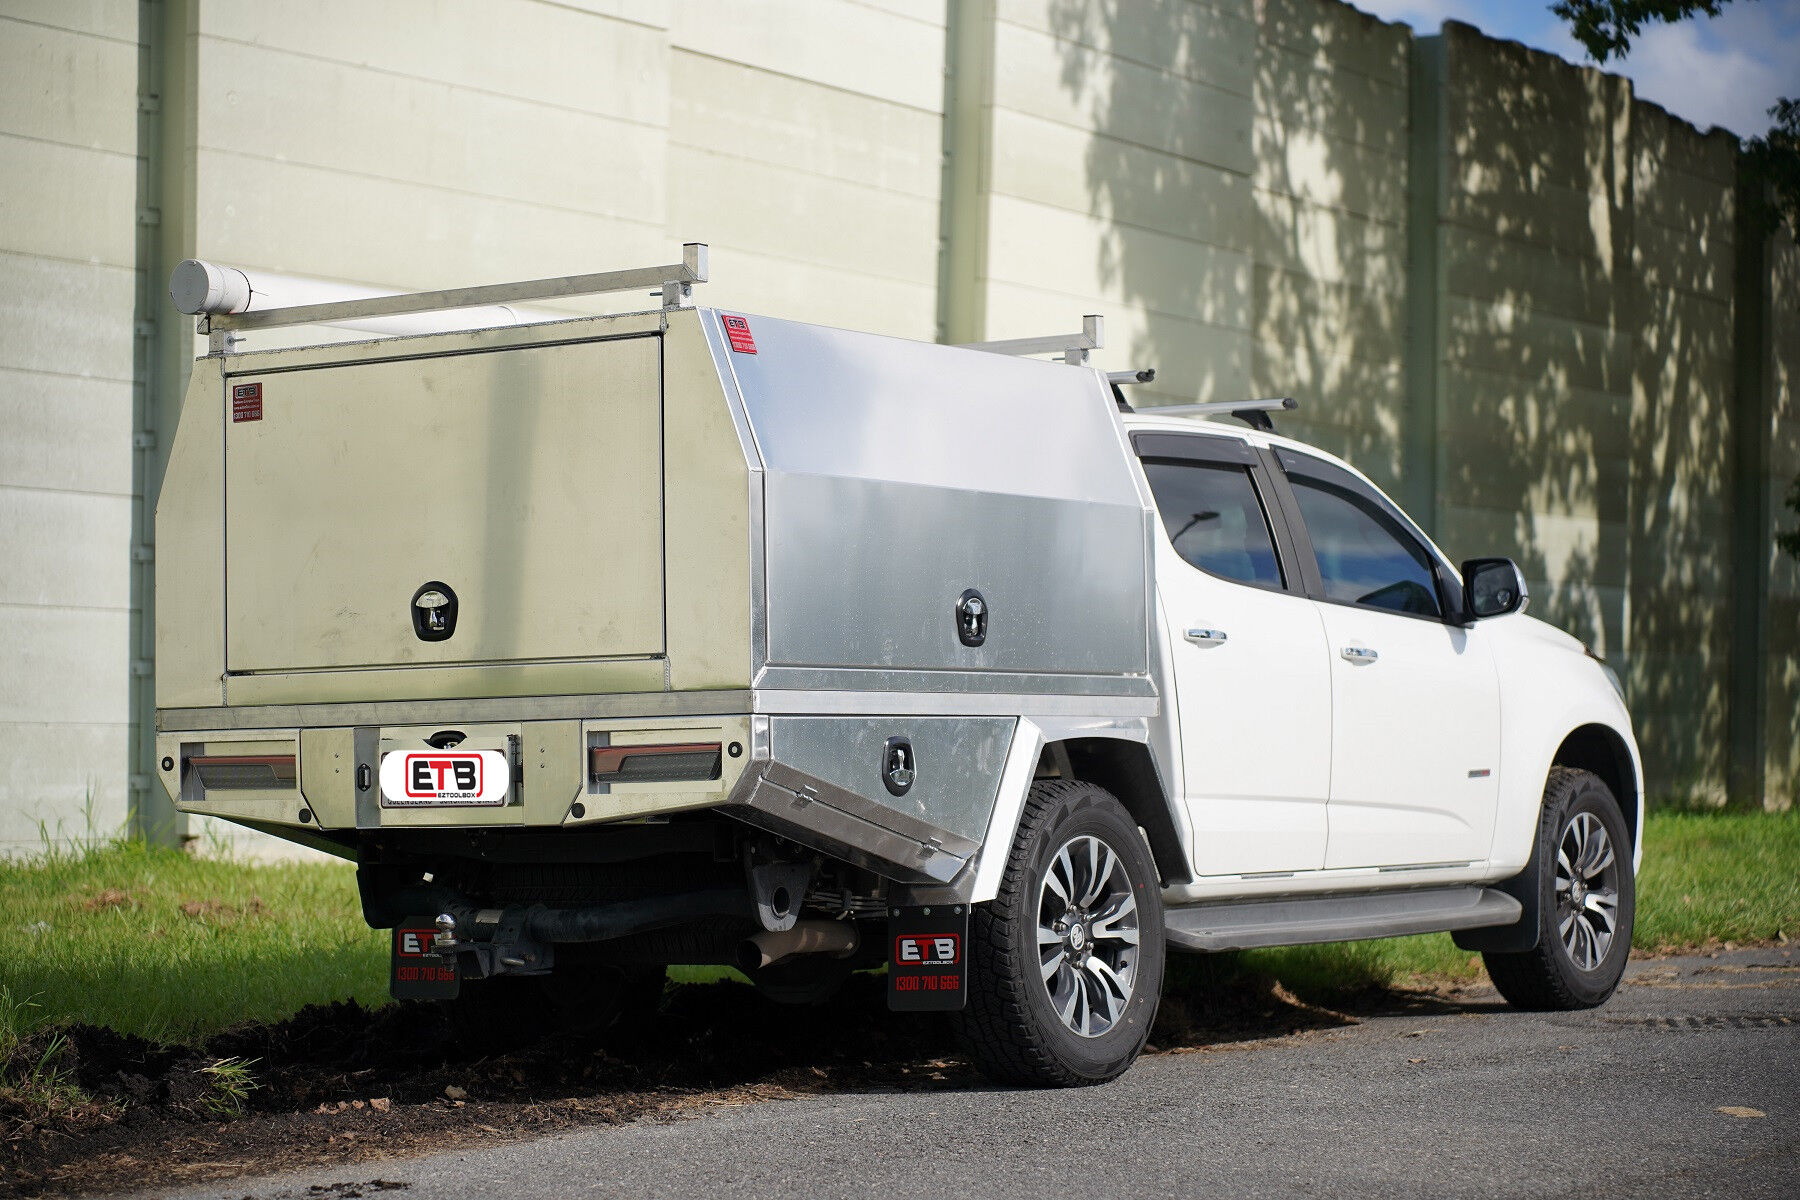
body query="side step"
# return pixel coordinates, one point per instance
(1290, 921)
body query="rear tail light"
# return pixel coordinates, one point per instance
(228, 771)
(654, 764)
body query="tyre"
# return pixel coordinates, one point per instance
(1586, 894)
(1066, 963)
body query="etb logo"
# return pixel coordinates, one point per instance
(414, 943)
(928, 950)
(444, 777)
(737, 332)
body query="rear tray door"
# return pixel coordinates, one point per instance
(517, 491)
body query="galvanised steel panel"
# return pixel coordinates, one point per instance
(959, 760)
(899, 473)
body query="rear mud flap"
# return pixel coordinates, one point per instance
(416, 971)
(928, 961)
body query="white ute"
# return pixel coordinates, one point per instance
(693, 636)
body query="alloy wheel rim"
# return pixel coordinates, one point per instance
(1088, 935)
(1587, 891)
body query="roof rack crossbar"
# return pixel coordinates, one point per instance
(675, 280)
(1073, 347)
(1254, 413)
(1225, 408)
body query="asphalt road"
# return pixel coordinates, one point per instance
(1473, 1101)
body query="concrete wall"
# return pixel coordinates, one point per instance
(1330, 146)
(1501, 285)
(1678, 648)
(805, 144)
(1115, 179)
(68, 230)
(1533, 363)
(800, 139)
(1780, 698)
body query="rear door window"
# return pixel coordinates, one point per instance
(1215, 519)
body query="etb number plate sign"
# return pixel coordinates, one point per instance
(417, 972)
(436, 778)
(928, 957)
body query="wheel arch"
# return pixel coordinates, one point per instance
(1128, 770)
(1602, 751)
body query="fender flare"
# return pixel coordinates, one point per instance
(1113, 753)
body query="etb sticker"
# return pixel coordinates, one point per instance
(416, 970)
(927, 969)
(928, 950)
(246, 402)
(423, 778)
(737, 331)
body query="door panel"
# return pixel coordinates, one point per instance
(527, 483)
(1251, 676)
(1415, 742)
(1415, 702)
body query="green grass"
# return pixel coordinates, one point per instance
(161, 944)
(156, 942)
(1707, 877)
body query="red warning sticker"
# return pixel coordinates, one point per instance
(246, 402)
(737, 330)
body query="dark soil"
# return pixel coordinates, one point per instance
(340, 1083)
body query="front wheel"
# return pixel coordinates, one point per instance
(1586, 898)
(1066, 963)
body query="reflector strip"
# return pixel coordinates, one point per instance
(227, 771)
(654, 764)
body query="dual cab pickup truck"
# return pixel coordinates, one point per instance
(695, 636)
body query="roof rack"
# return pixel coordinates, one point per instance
(224, 297)
(1254, 413)
(1073, 347)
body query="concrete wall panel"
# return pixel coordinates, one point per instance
(1092, 90)
(540, 154)
(1188, 39)
(58, 85)
(1052, 164)
(835, 43)
(81, 222)
(68, 239)
(1335, 37)
(63, 549)
(65, 432)
(608, 66)
(1781, 729)
(60, 784)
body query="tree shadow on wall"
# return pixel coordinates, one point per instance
(1291, 177)
(1583, 323)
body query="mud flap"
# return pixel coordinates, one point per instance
(928, 957)
(1521, 935)
(416, 971)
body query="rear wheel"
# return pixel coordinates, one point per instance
(1586, 898)
(1066, 963)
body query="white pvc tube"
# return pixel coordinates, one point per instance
(199, 287)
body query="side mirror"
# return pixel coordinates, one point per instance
(1493, 587)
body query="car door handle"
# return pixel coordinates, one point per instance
(1359, 654)
(1206, 637)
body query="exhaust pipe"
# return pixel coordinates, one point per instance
(837, 938)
